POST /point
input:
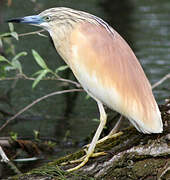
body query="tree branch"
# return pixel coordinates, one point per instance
(161, 81)
(35, 102)
(23, 76)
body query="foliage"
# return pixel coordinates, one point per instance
(43, 72)
(11, 33)
(14, 64)
(14, 136)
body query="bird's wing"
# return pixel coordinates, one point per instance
(106, 66)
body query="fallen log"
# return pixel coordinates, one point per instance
(132, 155)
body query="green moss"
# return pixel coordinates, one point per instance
(70, 157)
(50, 171)
(125, 170)
(146, 167)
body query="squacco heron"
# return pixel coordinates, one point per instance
(104, 64)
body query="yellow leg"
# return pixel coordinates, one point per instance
(83, 157)
(103, 118)
(112, 133)
(116, 127)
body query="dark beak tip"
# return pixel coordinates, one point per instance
(7, 21)
(13, 20)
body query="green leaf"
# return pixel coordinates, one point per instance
(14, 136)
(3, 59)
(36, 135)
(17, 65)
(1, 43)
(61, 68)
(2, 71)
(11, 27)
(19, 55)
(9, 68)
(15, 35)
(39, 59)
(96, 120)
(39, 78)
(38, 72)
(5, 34)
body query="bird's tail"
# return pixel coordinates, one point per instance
(151, 121)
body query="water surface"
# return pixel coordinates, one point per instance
(144, 24)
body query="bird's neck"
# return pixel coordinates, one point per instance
(61, 39)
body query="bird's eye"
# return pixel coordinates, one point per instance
(47, 18)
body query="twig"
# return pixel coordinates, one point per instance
(34, 32)
(47, 78)
(8, 162)
(161, 81)
(70, 81)
(35, 102)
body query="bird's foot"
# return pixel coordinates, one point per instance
(84, 160)
(105, 138)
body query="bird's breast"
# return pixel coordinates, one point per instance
(95, 87)
(89, 71)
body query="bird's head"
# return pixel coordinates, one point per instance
(55, 18)
(60, 22)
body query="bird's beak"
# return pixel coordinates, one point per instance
(34, 20)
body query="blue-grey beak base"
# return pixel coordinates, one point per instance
(36, 20)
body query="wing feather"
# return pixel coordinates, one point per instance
(105, 60)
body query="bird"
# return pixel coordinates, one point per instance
(105, 66)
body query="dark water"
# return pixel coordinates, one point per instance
(145, 24)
